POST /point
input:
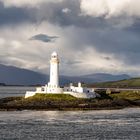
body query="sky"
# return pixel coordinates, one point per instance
(90, 36)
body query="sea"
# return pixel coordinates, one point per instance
(123, 124)
(11, 91)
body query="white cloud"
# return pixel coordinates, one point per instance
(21, 52)
(18, 51)
(66, 10)
(110, 8)
(93, 61)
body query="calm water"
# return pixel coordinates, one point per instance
(71, 125)
(8, 91)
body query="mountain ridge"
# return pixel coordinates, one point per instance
(11, 75)
(128, 83)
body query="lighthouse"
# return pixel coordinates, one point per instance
(53, 85)
(54, 70)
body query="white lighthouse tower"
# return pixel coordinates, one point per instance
(53, 85)
(54, 70)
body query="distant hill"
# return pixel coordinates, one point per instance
(97, 77)
(16, 76)
(130, 83)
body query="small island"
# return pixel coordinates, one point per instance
(66, 102)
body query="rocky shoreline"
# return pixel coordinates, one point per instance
(64, 103)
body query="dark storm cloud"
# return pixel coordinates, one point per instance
(44, 38)
(102, 34)
(106, 58)
(52, 12)
(70, 62)
(14, 15)
(123, 44)
(56, 15)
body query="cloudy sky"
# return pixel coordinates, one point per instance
(90, 36)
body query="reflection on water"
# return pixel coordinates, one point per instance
(65, 125)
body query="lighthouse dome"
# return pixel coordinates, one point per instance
(54, 54)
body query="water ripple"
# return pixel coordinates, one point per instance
(64, 125)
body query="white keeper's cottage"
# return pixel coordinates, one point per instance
(53, 86)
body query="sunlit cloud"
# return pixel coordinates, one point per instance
(89, 36)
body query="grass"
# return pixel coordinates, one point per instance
(53, 97)
(133, 83)
(129, 95)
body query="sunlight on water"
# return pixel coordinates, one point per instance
(63, 125)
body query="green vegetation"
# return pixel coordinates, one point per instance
(68, 102)
(53, 97)
(129, 95)
(130, 83)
